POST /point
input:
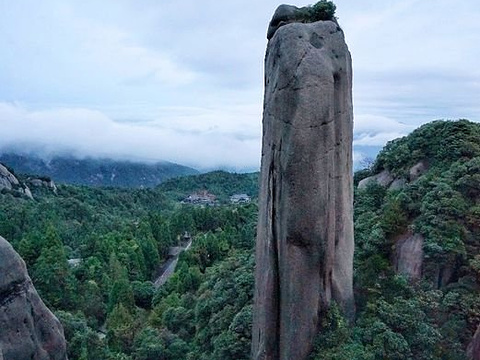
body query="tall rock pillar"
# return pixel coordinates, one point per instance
(304, 251)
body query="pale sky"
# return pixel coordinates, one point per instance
(183, 81)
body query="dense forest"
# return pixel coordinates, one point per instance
(94, 253)
(433, 195)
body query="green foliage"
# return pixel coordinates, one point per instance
(434, 318)
(322, 10)
(220, 183)
(119, 239)
(207, 303)
(394, 215)
(204, 310)
(440, 210)
(121, 328)
(52, 274)
(439, 142)
(235, 343)
(84, 343)
(334, 330)
(148, 345)
(91, 303)
(152, 344)
(143, 293)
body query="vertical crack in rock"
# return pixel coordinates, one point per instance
(304, 251)
(276, 280)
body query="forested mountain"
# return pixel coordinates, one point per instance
(222, 184)
(96, 172)
(417, 236)
(93, 254)
(417, 259)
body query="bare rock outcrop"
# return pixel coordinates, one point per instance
(28, 329)
(408, 258)
(418, 170)
(28, 192)
(397, 184)
(9, 182)
(45, 182)
(7, 179)
(304, 251)
(286, 14)
(384, 179)
(473, 349)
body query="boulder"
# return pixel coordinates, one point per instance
(36, 182)
(384, 179)
(304, 251)
(28, 329)
(49, 184)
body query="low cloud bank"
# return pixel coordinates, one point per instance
(202, 138)
(82, 132)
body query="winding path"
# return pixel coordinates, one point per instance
(170, 265)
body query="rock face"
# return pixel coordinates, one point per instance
(49, 184)
(28, 330)
(9, 182)
(7, 179)
(286, 14)
(384, 179)
(418, 170)
(397, 184)
(473, 350)
(409, 255)
(304, 251)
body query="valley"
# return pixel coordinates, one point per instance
(405, 308)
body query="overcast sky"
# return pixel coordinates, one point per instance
(183, 80)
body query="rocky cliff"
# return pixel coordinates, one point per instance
(9, 182)
(304, 252)
(28, 330)
(408, 255)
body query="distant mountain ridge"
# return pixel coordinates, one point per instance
(96, 172)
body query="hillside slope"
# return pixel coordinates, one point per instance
(416, 264)
(417, 260)
(221, 183)
(94, 252)
(96, 172)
